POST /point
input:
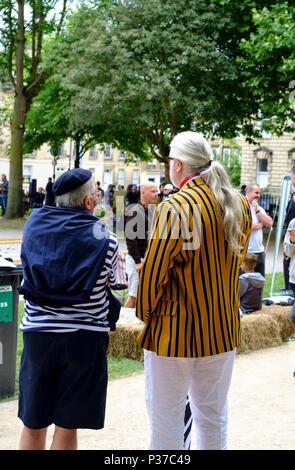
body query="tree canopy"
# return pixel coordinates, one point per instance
(135, 73)
(144, 71)
(24, 25)
(269, 63)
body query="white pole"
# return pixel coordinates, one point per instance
(285, 194)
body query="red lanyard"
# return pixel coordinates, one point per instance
(188, 178)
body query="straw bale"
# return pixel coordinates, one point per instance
(282, 315)
(265, 328)
(123, 342)
(259, 331)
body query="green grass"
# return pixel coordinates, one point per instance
(13, 224)
(278, 284)
(117, 366)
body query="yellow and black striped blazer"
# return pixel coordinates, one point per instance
(188, 293)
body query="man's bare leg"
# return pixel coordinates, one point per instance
(33, 439)
(64, 439)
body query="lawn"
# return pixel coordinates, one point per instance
(278, 284)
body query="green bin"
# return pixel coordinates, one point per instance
(10, 279)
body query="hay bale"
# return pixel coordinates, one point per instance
(259, 331)
(282, 315)
(265, 328)
(123, 342)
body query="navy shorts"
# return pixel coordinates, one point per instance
(63, 379)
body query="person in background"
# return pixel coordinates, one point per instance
(289, 250)
(50, 197)
(100, 190)
(168, 191)
(260, 219)
(188, 297)
(109, 196)
(251, 285)
(243, 190)
(138, 221)
(160, 194)
(289, 215)
(39, 198)
(4, 193)
(132, 196)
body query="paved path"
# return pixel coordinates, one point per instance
(261, 408)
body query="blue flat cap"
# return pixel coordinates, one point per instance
(70, 180)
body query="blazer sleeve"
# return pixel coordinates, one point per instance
(163, 247)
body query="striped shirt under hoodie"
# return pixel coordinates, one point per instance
(87, 316)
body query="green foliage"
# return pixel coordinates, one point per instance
(233, 163)
(134, 73)
(156, 68)
(268, 58)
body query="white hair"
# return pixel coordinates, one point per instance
(228, 203)
(76, 197)
(197, 157)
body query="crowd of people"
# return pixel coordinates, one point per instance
(195, 265)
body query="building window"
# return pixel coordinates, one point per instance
(92, 153)
(262, 172)
(107, 178)
(108, 151)
(60, 170)
(27, 171)
(135, 177)
(122, 155)
(121, 177)
(215, 151)
(61, 151)
(226, 156)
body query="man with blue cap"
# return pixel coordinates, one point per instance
(69, 261)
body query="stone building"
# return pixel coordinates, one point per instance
(267, 162)
(106, 163)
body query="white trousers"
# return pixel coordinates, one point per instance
(206, 380)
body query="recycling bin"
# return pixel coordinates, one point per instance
(10, 279)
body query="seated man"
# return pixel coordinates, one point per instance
(251, 285)
(69, 259)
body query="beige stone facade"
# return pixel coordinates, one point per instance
(267, 162)
(107, 164)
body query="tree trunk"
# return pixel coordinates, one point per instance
(15, 203)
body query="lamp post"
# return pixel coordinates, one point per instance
(54, 153)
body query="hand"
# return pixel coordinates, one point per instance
(255, 205)
(292, 236)
(137, 267)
